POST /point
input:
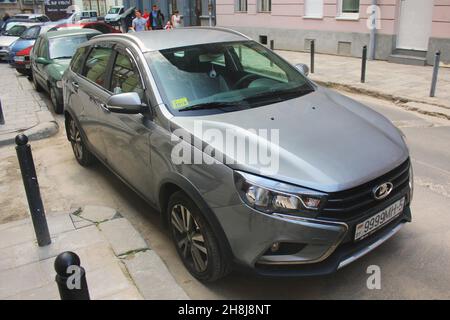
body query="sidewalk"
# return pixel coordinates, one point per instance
(409, 85)
(23, 108)
(118, 262)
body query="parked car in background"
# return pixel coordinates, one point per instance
(11, 35)
(79, 16)
(99, 26)
(155, 107)
(51, 56)
(36, 17)
(24, 45)
(113, 15)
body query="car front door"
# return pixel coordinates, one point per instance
(127, 136)
(93, 93)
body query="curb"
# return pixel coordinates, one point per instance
(39, 131)
(417, 105)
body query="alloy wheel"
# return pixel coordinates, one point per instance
(189, 238)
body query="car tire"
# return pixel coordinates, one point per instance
(58, 106)
(23, 72)
(83, 156)
(36, 84)
(194, 240)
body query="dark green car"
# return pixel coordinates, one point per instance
(51, 56)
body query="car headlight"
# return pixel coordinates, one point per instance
(270, 196)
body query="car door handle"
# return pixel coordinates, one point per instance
(104, 107)
(75, 85)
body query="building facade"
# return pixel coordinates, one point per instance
(13, 7)
(408, 31)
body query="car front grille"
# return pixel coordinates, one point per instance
(355, 202)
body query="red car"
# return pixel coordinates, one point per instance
(100, 26)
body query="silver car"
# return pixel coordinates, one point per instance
(250, 163)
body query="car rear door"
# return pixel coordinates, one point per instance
(127, 136)
(92, 93)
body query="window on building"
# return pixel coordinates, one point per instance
(314, 8)
(349, 8)
(241, 5)
(265, 5)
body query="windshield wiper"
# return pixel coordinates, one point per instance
(210, 105)
(63, 57)
(278, 94)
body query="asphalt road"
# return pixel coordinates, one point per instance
(414, 264)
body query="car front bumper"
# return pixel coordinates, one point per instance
(314, 246)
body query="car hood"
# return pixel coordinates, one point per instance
(6, 41)
(327, 141)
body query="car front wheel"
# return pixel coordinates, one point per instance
(81, 153)
(57, 103)
(194, 240)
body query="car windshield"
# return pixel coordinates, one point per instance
(31, 33)
(65, 47)
(224, 77)
(16, 31)
(114, 10)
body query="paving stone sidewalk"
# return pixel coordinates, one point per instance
(23, 108)
(410, 85)
(118, 262)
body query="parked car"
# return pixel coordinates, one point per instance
(154, 108)
(79, 16)
(113, 15)
(50, 57)
(36, 17)
(99, 26)
(9, 36)
(24, 45)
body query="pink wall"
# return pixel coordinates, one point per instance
(441, 19)
(289, 14)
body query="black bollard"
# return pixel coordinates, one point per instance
(71, 277)
(2, 118)
(313, 51)
(363, 64)
(31, 185)
(437, 61)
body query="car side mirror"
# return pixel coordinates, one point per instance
(128, 103)
(42, 60)
(303, 68)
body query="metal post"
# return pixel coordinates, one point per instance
(272, 45)
(2, 118)
(210, 13)
(313, 49)
(373, 29)
(363, 64)
(71, 277)
(31, 185)
(437, 61)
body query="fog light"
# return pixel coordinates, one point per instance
(275, 247)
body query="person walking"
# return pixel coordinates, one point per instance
(139, 23)
(156, 18)
(175, 19)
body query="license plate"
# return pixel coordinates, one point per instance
(27, 66)
(19, 58)
(378, 220)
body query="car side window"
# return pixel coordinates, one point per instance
(125, 76)
(96, 65)
(36, 47)
(77, 60)
(43, 52)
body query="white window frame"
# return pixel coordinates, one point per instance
(347, 15)
(240, 4)
(313, 16)
(260, 9)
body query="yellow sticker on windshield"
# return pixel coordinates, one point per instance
(180, 103)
